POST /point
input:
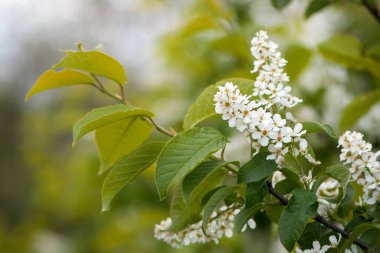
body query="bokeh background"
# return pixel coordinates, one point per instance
(50, 193)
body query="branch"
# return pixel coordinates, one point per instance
(284, 201)
(373, 10)
(121, 98)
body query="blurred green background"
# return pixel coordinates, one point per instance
(50, 193)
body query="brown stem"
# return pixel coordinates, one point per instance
(121, 98)
(284, 201)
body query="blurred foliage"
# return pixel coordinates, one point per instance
(50, 194)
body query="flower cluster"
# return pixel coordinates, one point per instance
(259, 118)
(364, 164)
(317, 246)
(269, 85)
(221, 224)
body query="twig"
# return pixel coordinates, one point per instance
(160, 128)
(121, 98)
(284, 201)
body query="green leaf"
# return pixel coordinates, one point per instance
(280, 4)
(343, 49)
(340, 173)
(94, 62)
(372, 66)
(52, 79)
(360, 229)
(299, 56)
(311, 232)
(209, 194)
(244, 215)
(183, 153)
(302, 205)
(256, 169)
(255, 193)
(189, 212)
(358, 107)
(204, 174)
(374, 52)
(118, 139)
(181, 214)
(274, 212)
(204, 107)
(315, 6)
(287, 186)
(125, 170)
(313, 127)
(215, 200)
(103, 116)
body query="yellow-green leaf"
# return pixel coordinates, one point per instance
(52, 79)
(344, 49)
(125, 170)
(94, 62)
(118, 139)
(103, 116)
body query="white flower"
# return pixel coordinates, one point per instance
(281, 137)
(353, 249)
(364, 165)
(335, 241)
(265, 129)
(257, 115)
(316, 248)
(221, 224)
(297, 131)
(278, 154)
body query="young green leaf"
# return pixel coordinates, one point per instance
(343, 49)
(299, 56)
(203, 175)
(280, 4)
(302, 205)
(358, 107)
(183, 153)
(244, 215)
(256, 169)
(103, 116)
(215, 200)
(204, 107)
(52, 79)
(313, 127)
(118, 139)
(315, 6)
(94, 62)
(125, 170)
